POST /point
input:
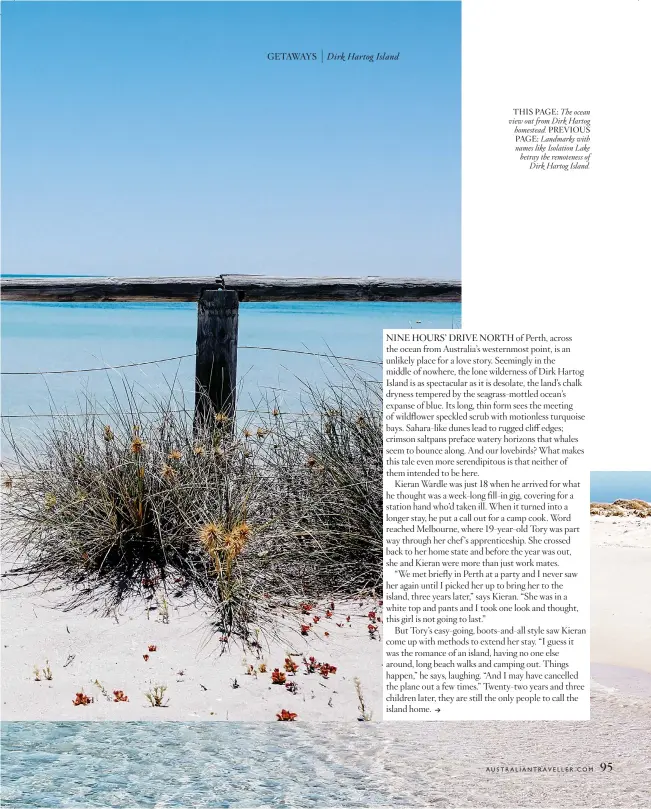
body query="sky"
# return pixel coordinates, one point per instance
(157, 138)
(606, 487)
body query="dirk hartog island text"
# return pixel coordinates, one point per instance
(486, 513)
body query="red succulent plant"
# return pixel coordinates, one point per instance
(311, 665)
(278, 677)
(325, 669)
(286, 716)
(290, 666)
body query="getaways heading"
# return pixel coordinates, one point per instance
(333, 57)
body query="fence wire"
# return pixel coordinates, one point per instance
(184, 357)
(156, 362)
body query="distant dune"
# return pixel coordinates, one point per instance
(621, 508)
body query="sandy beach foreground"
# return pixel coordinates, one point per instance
(133, 651)
(96, 655)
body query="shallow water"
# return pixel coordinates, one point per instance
(122, 764)
(375, 764)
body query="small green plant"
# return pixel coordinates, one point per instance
(105, 693)
(164, 611)
(47, 671)
(37, 674)
(256, 643)
(156, 696)
(365, 716)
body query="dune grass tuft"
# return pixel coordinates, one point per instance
(244, 516)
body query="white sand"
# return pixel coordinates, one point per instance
(621, 592)
(111, 649)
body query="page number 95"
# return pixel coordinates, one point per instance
(606, 767)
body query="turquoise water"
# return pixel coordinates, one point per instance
(61, 336)
(170, 764)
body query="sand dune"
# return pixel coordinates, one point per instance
(621, 508)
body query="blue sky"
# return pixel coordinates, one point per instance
(606, 487)
(156, 138)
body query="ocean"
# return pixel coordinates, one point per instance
(69, 336)
(40, 337)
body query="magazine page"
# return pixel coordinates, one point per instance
(325, 468)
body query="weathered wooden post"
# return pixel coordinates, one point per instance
(216, 369)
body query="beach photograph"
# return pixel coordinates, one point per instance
(210, 213)
(191, 347)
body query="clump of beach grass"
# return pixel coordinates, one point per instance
(116, 505)
(328, 474)
(275, 511)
